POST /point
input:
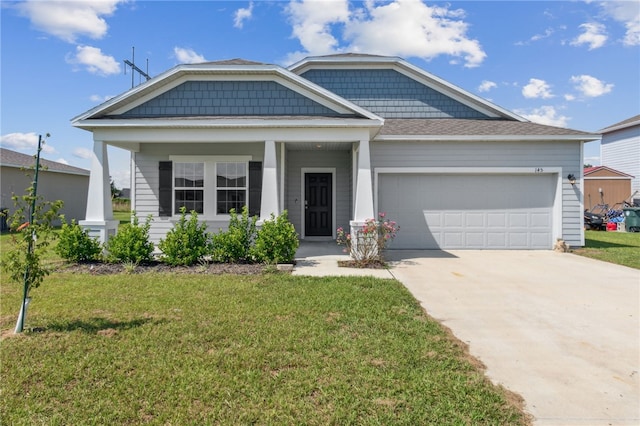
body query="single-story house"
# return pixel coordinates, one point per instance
(620, 149)
(334, 140)
(604, 185)
(56, 181)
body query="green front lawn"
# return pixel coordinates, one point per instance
(622, 248)
(261, 349)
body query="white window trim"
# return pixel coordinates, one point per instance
(210, 185)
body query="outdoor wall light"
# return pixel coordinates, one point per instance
(572, 178)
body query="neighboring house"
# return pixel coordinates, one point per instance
(604, 185)
(334, 140)
(620, 149)
(56, 181)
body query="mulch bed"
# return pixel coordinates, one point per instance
(101, 268)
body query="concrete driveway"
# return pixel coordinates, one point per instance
(558, 329)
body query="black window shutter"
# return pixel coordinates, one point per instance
(255, 187)
(165, 169)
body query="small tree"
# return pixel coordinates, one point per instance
(32, 226)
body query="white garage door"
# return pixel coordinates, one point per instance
(471, 211)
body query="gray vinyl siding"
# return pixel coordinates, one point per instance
(341, 161)
(72, 189)
(620, 150)
(390, 94)
(146, 178)
(229, 98)
(563, 154)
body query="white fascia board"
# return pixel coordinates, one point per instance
(225, 123)
(620, 127)
(482, 138)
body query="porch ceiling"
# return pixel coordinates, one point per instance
(318, 146)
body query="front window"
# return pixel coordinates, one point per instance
(211, 186)
(231, 187)
(189, 187)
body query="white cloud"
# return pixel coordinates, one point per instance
(486, 85)
(242, 15)
(312, 21)
(84, 153)
(100, 98)
(407, 28)
(68, 20)
(628, 13)
(62, 161)
(537, 89)
(590, 86)
(94, 61)
(594, 35)
(544, 115)
(187, 56)
(25, 142)
(569, 97)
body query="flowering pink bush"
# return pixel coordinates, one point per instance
(369, 241)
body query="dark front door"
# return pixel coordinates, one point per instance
(318, 209)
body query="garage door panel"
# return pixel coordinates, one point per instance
(475, 240)
(496, 240)
(475, 219)
(469, 211)
(496, 220)
(540, 220)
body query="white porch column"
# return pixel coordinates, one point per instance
(99, 214)
(363, 206)
(364, 187)
(269, 202)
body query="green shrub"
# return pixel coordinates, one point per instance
(276, 241)
(234, 245)
(75, 244)
(187, 242)
(131, 243)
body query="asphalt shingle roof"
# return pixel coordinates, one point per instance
(465, 127)
(10, 158)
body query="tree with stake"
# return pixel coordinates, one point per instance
(31, 223)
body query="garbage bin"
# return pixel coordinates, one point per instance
(632, 219)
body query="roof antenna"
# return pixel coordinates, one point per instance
(133, 66)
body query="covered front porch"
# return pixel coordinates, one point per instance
(323, 183)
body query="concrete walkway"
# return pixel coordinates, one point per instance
(560, 330)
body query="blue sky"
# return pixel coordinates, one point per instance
(565, 63)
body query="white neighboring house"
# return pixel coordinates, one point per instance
(57, 181)
(620, 150)
(334, 140)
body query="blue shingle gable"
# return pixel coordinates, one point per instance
(390, 94)
(228, 98)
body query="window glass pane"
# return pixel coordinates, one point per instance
(189, 175)
(231, 175)
(192, 199)
(231, 199)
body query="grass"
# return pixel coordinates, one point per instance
(261, 349)
(622, 248)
